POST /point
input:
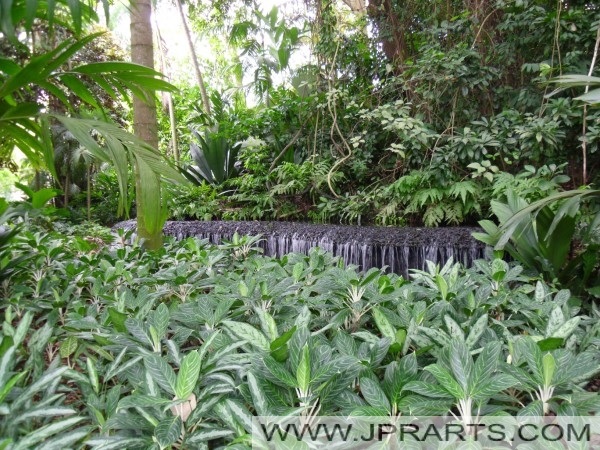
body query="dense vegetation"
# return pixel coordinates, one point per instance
(391, 113)
(395, 127)
(103, 341)
(402, 114)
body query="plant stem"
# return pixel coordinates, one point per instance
(587, 88)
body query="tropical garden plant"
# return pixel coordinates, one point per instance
(182, 346)
(26, 116)
(406, 113)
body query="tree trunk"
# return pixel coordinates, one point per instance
(167, 97)
(391, 30)
(89, 192)
(173, 123)
(144, 114)
(199, 78)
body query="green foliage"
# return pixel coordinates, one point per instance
(111, 345)
(202, 202)
(541, 236)
(215, 159)
(27, 84)
(405, 114)
(269, 40)
(568, 81)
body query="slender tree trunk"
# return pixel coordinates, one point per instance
(89, 192)
(144, 113)
(67, 184)
(167, 97)
(199, 78)
(173, 123)
(584, 173)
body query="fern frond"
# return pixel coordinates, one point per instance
(463, 189)
(433, 216)
(428, 196)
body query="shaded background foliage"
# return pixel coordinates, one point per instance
(417, 112)
(411, 105)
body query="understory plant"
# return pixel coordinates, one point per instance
(106, 345)
(554, 236)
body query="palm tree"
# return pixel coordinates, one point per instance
(24, 122)
(149, 225)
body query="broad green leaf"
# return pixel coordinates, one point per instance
(548, 369)
(48, 377)
(117, 443)
(248, 333)
(477, 331)
(207, 344)
(485, 366)
(540, 292)
(41, 412)
(161, 372)
(303, 375)
(438, 337)
(6, 364)
(303, 318)
(379, 350)
(76, 86)
(168, 431)
(384, 324)
(268, 324)
(428, 390)
(551, 343)
(23, 328)
(138, 330)
(369, 411)
(499, 269)
(258, 395)
(7, 387)
(374, 395)
(142, 401)
(46, 432)
(65, 440)
(280, 372)
(442, 285)
(93, 374)
(68, 346)
(160, 320)
(446, 381)
(297, 271)
(492, 386)
(188, 375)
(240, 413)
(556, 319)
(278, 347)
(118, 319)
(454, 329)
(203, 436)
(567, 328)
(243, 288)
(461, 363)
(114, 370)
(533, 409)
(23, 110)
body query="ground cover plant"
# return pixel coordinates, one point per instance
(106, 345)
(402, 113)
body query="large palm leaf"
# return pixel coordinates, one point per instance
(70, 14)
(570, 81)
(23, 125)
